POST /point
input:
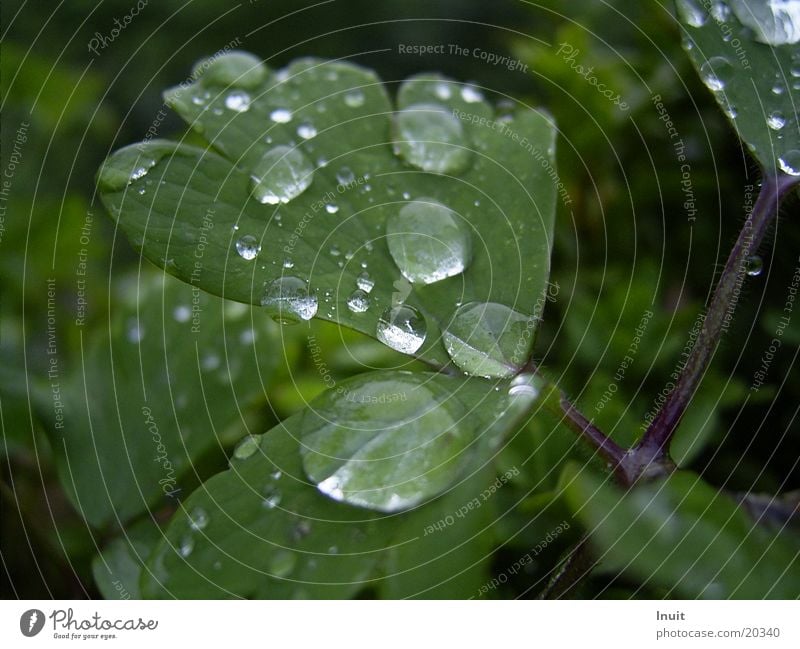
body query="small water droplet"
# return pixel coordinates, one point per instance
(210, 362)
(272, 497)
(282, 563)
(182, 313)
(199, 519)
(301, 530)
(186, 546)
(789, 162)
(754, 265)
(358, 302)
(402, 328)
(778, 89)
(331, 208)
(288, 300)
(692, 13)
(248, 247)
(246, 447)
(720, 11)
(345, 176)
(442, 91)
(428, 241)
(333, 550)
(282, 174)
(281, 115)
(135, 331)
(238, 101)
(471, 94)
(307, 130)
(716, 72)
(364, 282)
(776, 121)
(288, 263)
(354, 98)
(432, 139)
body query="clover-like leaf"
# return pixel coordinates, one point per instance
(315, 198)
(682, 534)
(746, 53)
(174, 379)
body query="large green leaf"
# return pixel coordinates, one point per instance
(175, 377)
(684, 535)
(350, 239)
(261, 529)
(746, 53)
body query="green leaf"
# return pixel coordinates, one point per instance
(300, 203)
(754, 82)
(684, 535)
(118, 568)
(266, 531)
(173, 379)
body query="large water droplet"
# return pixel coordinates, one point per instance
(488, 339)
(754, 265)
(231, 69)
(288, 300)
(716, 72)
(246, 447)
(692, 13)
(720, 11)
(774, 22)
(248, 247)
(789, 162)
(282, 563)
(402, 328)
(429, 137)
(525, 386)
(358, 302)
(238, 101)
(428, 241)
(282, 174)
(199, 519)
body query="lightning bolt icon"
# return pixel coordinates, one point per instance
(34, 617)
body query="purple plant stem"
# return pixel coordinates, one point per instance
(654, 444)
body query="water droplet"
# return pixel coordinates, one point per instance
(720, 11)
(354, 98)
(246, 447)
(335, 252)
(488, 339)
(301, 530)
(716, 72)
(774, 22)
(692, 13)
(281, 115)
(333, 550)
(135, 331)
(789, 162)
(288, 300)
(432, 139)
(186, 546)
(428, 241)
(199, 519)
(364, 282)
(182, 313)
(754, 265)
(248, 247)
(210, 362)
(247, 337)
(471, 94)
(238, 101)
(778, 89)
(307, 130)
(442, 91)
(282, 174)
(402, 328)
(272, 497)
(345, 176)
(776, 121)
(331, 208)
(358, 302)
(288, 263)
(282, 563)
(132, 163)
(525, 386)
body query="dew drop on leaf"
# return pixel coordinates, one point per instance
(307, 130)
(181, 313)
(402, 328)
(282, 174)
(282, 563)
(281, 115)
(774, 22)
(716, 72)
(186, 546)
(248, 247)
(754, 265)
(428, 241)
(364, 282)
(354, 98)
(358, 302)
(345, 176)
(776, 120)
(199, 519)
(692, 13)
(288, 301)
(237, 101)
(272, 497)
(789, 162)
(431, 138)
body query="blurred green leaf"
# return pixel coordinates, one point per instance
(684, 535)
(118, 568)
